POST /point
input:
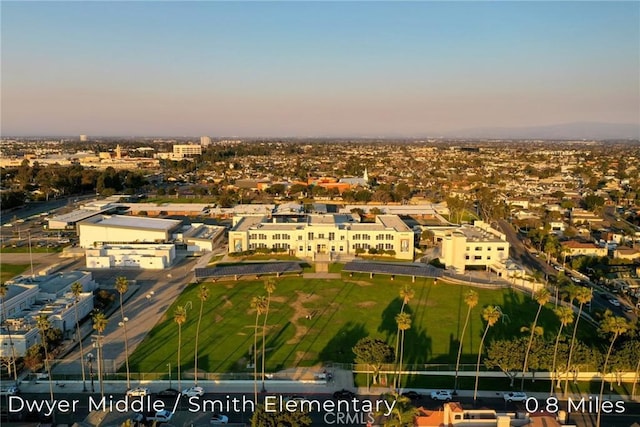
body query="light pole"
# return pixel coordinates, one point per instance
(123, 324)
(90, 363)
(169, 365)
(98, 346)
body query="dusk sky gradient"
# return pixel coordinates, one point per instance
(315, 68)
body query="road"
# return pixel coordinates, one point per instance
(238, 407)
(519, 252)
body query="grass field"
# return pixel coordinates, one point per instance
(342, 312)
(9, 271)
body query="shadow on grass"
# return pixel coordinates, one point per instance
(339, 348)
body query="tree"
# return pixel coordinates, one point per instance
(403, 320)
(122, 286)
(583, 296)
(180, 317)
(542, 297)
(406, 293)
(262, 418)
(259, 304)
(471, 299)
(491, 314)
(100, 324)
(507, 355)
(565, 315)
(403, 413)
(76, 290)
(373, 352)
(203, 295)
(614, 326)
(269, 287)
(34, 357)
(43, 324)
(4, 289)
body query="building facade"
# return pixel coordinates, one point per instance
(476, 245)
(309, 235)
(118, 229)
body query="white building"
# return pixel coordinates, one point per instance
(205, 141)
(313, 234)
(118, 229)
(155, 256)
(476, 245)
(187, 150)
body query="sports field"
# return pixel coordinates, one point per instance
(314, 321)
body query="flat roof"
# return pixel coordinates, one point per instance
(248, 269)
(138, 222)
(79, 215)
(421, 270)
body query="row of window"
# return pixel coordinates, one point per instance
(311, 236)
(488, 248)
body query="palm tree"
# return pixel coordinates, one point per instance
(76, 290)
(44, 325)
(491, 314)
(180, 317)
(403, 320)
(471, 299)
(565, 315)
(4, 289)
(583, 296)
(406, 293)
(270, 287)
(616, 326)
(122, 286)
(259, 304)
(100, 324)
(542, 297)
(203, 295)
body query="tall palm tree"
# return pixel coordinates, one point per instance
(4, 289)
(270, 287)
(406, 293)
(615, 326)
(122, 286)
(491, 314)
(180, 317)
(259, 304)
(403, 320)
(471, 299)
(76, 290)
(44, 325)
(583, 296)
(100, 324)
(565, 315)
(203, 295)
(542, 297)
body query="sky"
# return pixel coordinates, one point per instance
(320, 69)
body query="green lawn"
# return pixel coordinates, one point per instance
(343, 311)
(9, 271)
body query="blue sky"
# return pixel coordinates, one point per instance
(315, 68)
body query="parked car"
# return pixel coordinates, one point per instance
(193, 391)
(219, 419)
(413, 395)
(138, 391)
(162, 416)
(614, 302)
(171, 392)
(514, 396)
(9, 391)
(344, 394)
(444, 395)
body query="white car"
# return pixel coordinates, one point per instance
(139, 391)
(219, 419)
(9, 391)
(614, 302)
(444, 395)
(514, 396)
(193, 391)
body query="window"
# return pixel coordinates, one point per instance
(262, 236)
(380, 246)
(276, 236)
(332, 236)
(301, 248)
(356, 237)
(477, 257)
(501, 248)
(488, 257)
(389, 236)
(388, 246)
(488, 248)
(321, 236)
(478, 248)
(309, 248)
(333, 248)
(379, 236)
(466, 257)
(341, 248)
(299, 237)
(342, 237)
(366, 237)
(468, 249)
(253, 236)
(310, 236)
(286, 237)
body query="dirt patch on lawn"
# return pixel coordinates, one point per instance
(227, 301)
(301, 314)
(359, 282)
(217, 318)
(366, 304)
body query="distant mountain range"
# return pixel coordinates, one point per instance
(579, 130)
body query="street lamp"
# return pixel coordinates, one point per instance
(169, 365)
(123, 324)
(90, 363)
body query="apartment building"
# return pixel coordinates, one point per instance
(476, 245)
(187, 150)
(309, 235)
